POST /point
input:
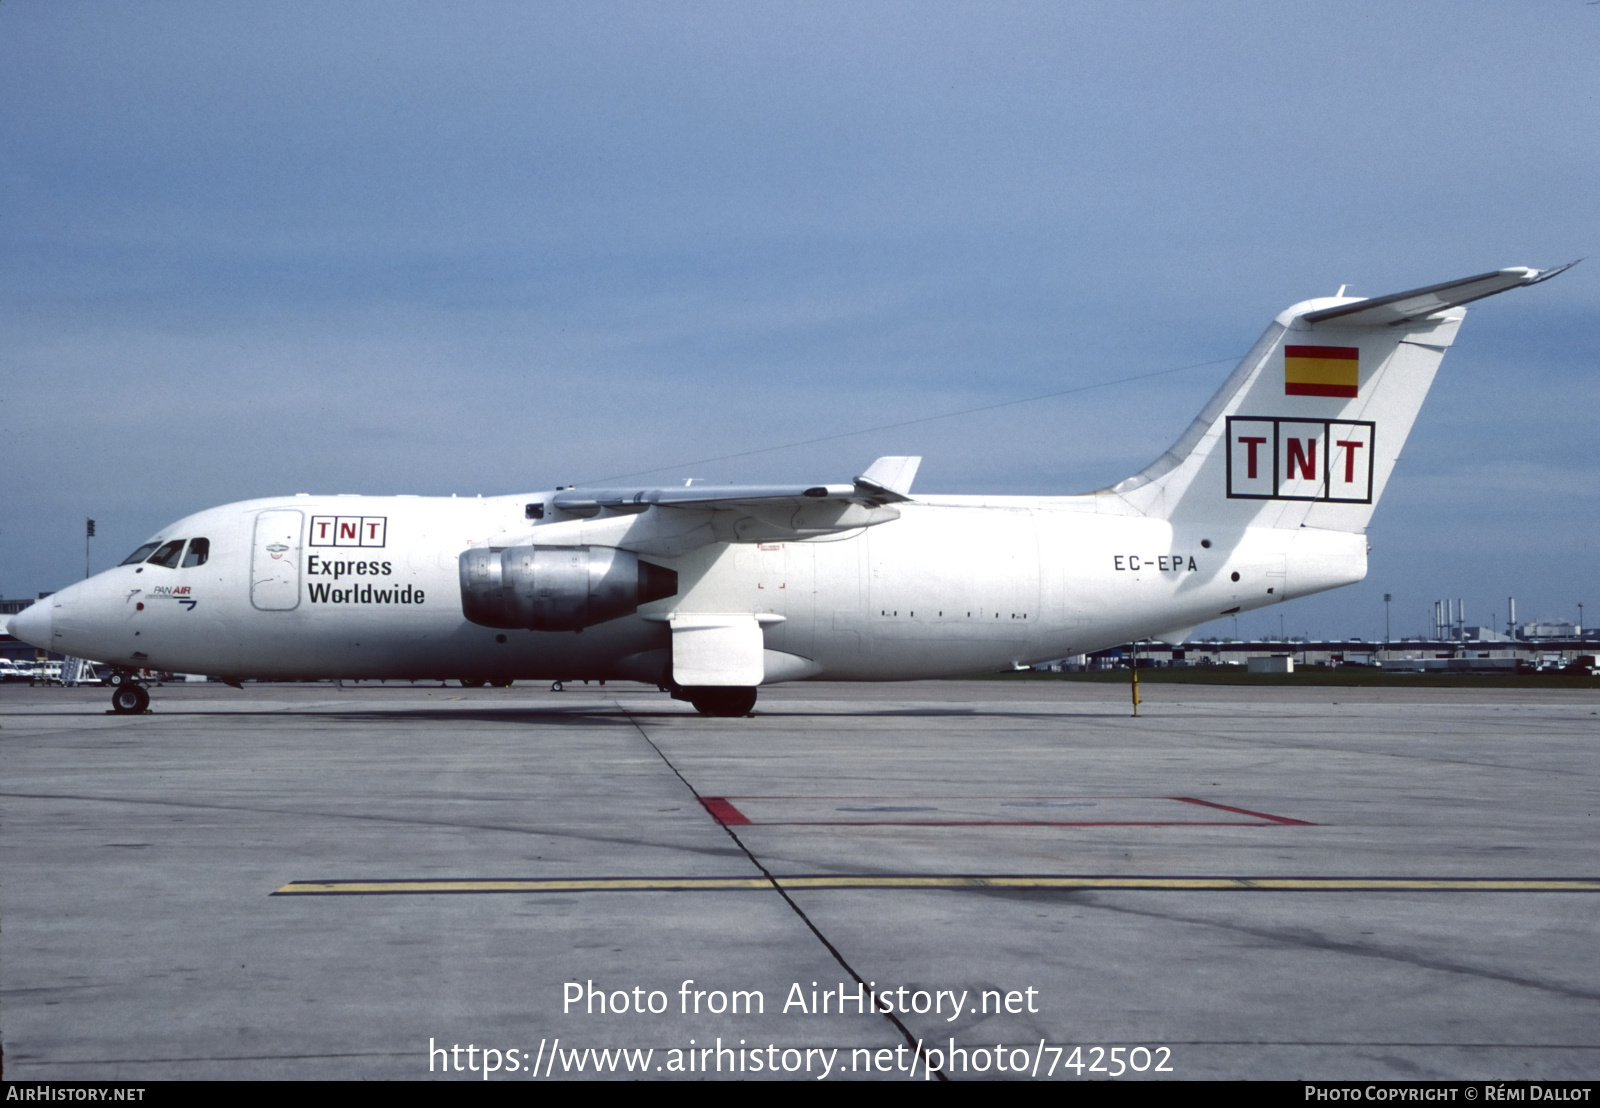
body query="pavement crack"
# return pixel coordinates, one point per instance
(911, 1040)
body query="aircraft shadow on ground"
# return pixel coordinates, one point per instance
(596, 715)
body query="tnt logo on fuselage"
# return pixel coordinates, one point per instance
(349, 530)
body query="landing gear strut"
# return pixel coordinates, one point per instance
(129, 699)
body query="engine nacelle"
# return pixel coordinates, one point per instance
(558, 588)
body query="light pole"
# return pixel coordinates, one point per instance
(1386, 598)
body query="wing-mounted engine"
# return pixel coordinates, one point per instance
(558, 588)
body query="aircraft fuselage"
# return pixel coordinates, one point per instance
(955, 585)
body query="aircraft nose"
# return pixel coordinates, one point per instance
(34, 624)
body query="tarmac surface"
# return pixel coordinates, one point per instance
(309, 881)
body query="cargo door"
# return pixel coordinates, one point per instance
(275, 560)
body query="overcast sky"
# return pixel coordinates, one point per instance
(248, 250)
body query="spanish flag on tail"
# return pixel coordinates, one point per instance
(1321, 370)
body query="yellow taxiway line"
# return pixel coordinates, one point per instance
(938, 881)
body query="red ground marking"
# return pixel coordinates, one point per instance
(723, 812)
(1246, 812)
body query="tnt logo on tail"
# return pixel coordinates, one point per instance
(1300, 459)
(1321, 371)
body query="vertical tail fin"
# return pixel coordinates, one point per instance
(1309, 425)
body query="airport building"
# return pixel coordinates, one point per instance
(1469, 654)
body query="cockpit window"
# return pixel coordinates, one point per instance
(199, 551)
(141, 554)
(168, 554)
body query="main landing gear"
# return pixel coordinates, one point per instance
(129, 699)
(717, 700)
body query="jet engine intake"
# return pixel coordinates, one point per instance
(558, 588)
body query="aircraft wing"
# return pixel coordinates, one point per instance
(887, 481)
(767, 512)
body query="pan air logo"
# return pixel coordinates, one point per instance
(349, 530)
(1300, 459)
(1321, 371)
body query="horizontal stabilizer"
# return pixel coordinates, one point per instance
(1401, 307)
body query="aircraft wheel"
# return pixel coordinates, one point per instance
(472, 682)
(719, 701)
(501, 684)
(557, 686)
(130, 699)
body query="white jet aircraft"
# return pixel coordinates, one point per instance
(711, 592)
